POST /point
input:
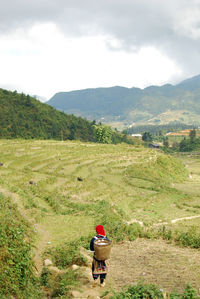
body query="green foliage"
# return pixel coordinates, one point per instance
(16, 271)
(117, 230)
(103, 133)
(63, 283)
(189, 238)
(147, 137)
(138, 291)
(59, 285)
(166, 142)
(192, 135)
(22, 116)
(190, 144)
(162, 170)
(190, 293)
(150, 291)
(68, 254)
(45, 277)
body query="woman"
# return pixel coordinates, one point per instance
(99, 268)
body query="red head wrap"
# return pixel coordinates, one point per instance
(100, 230)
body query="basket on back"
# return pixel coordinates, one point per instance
(102, 248)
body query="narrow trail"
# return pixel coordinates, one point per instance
(164, 223)
(43, 238)
(184, 218)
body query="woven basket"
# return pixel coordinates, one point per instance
(102, 249)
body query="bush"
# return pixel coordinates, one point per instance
(64, 283)
(150, 291)
(140, 291)
(67, 254)
(189, 238)
(58, 284)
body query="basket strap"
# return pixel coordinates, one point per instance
(97, 259)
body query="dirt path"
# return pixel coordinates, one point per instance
(164, 223)
(41, 244)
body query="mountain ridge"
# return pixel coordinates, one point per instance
(120, 104)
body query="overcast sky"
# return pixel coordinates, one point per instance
(48, 46)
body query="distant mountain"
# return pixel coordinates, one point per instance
(122, 106)
(190, 84)
(25, 117)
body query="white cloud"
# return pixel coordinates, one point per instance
(42, 61)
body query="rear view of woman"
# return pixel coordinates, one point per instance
(99, 267)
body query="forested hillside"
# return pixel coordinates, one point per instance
(22, 116)
(25, 117)
(122, 106)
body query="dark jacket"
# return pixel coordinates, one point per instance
(95, 238)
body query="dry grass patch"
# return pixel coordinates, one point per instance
(154, 261)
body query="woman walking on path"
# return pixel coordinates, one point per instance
(99, 268)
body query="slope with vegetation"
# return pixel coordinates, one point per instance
(25, 117)
(17, 277)
(122, 106)
(66, 188)
(22, 116)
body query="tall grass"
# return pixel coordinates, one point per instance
(17, 270)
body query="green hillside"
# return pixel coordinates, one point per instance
(22, 116)
(122, 106)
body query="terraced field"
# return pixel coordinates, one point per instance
(68, 175)
(61, 187)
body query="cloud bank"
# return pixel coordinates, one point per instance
(172, 27)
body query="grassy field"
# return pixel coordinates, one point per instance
(137, 182)
(62, 188)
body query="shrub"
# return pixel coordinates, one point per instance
(140, 291)
(64, 283)
(190, 293)
(189, 238)
(150, 291)
(58, 285)
(67, 254)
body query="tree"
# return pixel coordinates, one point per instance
(192, 135)
(166, 142)
(147, 137)
(103, 133)
(185, 145)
